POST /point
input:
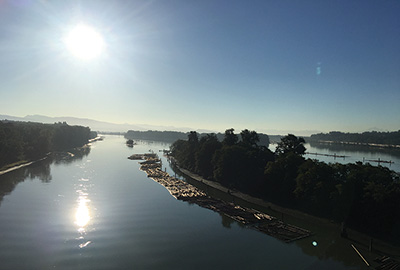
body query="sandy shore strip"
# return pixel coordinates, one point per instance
(16, 167)
(98, 138)
(21, 166)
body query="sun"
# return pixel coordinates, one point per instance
(84, 42)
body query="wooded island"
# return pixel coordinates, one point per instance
(361, 196)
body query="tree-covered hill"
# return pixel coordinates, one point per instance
(28, 141)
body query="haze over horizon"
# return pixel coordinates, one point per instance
(269, 66)
(102, 126)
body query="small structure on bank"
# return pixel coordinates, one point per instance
(251, 218)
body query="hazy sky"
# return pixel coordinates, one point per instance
(264, 65)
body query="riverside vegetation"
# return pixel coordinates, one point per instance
(26, 141)
(389, 139)
(171, 136)
(360, 196)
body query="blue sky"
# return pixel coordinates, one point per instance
(271, 66)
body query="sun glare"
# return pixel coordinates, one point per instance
(82, 215)
(84, 42)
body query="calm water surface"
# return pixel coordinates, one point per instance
(352, 154)
(97, 210)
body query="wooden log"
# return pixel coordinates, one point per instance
(359, 254)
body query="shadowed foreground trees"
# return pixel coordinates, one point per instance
(208, 145)
(362, 196)
(28, 141)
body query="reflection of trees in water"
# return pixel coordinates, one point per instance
(9, 181)
(40, 170)
(226, 221)
(149, 142)
(329, 247)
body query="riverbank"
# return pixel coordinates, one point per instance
(21, 165)
(370, 248)
(12, 167)
(18, 165)
(249, 198)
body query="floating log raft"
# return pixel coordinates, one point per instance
(251, 218)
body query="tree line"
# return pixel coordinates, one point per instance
(362, 196)
(171, 136)
(21, 141)
(374, 137)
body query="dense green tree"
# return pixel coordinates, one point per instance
(193, 138)
(375, 204)
(231, 165)
(230, 137)
(180, 151)
(185, 151)
(208, 145)
(291, 143)
(27, 141)
(316, 188)
(249, 138)
(11, 143)
(177, 148)
(280, 178)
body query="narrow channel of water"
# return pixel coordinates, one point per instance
(97, 210)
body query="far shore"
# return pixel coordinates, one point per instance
(390, 146)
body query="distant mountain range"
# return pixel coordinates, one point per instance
(93, 124)
(112, 127)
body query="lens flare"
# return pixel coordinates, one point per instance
(84, 42)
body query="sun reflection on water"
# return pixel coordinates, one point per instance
(82, 212)
(82, 215)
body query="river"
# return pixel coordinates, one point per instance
(97, 210)
(351, 154)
